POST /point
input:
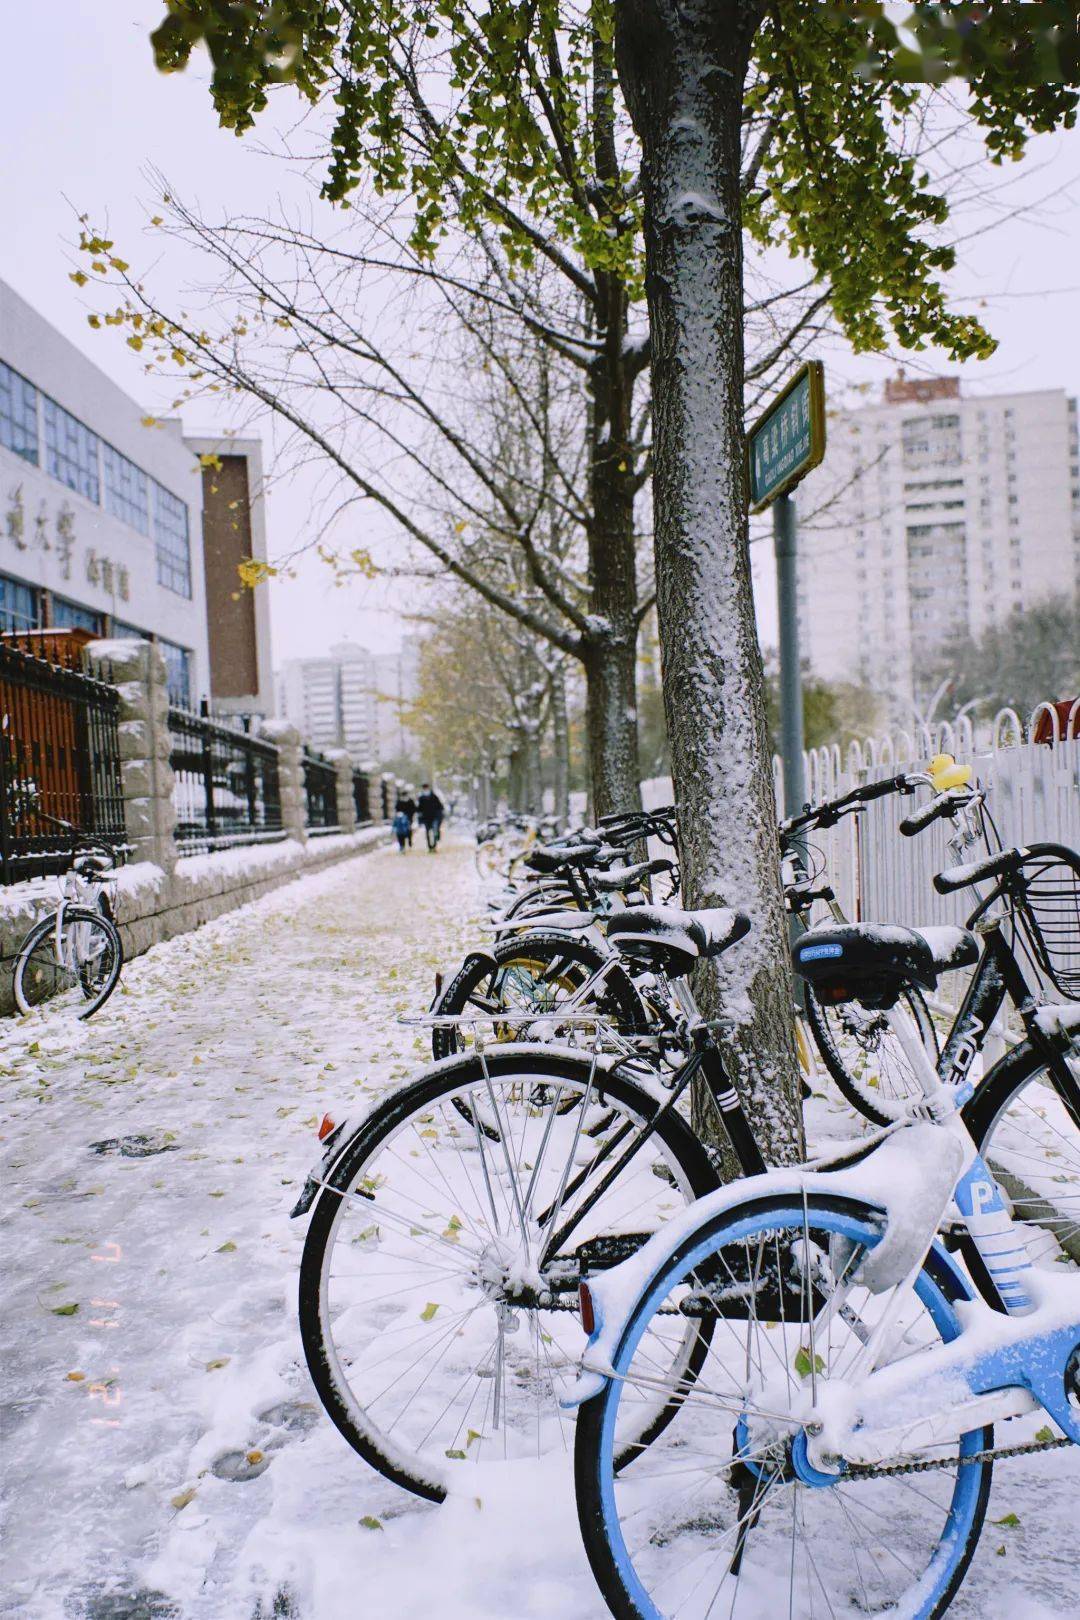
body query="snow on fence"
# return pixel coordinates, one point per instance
(1033, 794)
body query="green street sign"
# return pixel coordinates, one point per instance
(789, 439)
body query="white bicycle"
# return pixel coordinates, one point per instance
(74, 955)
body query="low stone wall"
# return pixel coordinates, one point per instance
(153, 904)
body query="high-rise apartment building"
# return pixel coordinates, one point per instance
(353, 699)
(936, 514)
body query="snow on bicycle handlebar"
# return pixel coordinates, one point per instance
(943, 804)
(961, 877)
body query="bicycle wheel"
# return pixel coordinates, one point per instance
(864, 1057)
(438, 1333)
(79, 975)
(715, 1519)
(533, 974)
(1026, 1122)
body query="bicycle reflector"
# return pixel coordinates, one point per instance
(326, 1125)
(585, 1304)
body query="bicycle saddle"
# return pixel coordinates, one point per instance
(553, 860)
(871, 962)
(672, 940)
(620, 877)
(92, 863)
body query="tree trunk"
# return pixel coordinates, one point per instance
(682, 64)
(560, 746)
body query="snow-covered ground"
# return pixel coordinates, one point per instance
(163, 1455)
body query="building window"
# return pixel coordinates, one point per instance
(18, 414)
(20, 605)
(127, 489)
(171, 540)
(71, 452)
(129, 632)
(70, 616)
(178, 673)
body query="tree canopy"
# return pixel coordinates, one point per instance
(483, 114)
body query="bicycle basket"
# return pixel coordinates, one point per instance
(1046, 906)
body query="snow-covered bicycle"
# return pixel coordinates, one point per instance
(833, 1442)
(73, 956)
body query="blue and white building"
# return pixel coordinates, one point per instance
(100, 505)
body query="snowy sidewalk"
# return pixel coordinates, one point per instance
(162, 1455)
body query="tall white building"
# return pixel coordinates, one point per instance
(352, 699)
(939, 515)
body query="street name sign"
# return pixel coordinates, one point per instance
(788, 440)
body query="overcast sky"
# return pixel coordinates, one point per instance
(83, 114)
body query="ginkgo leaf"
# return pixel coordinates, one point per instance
(370, 1522)
(1009, 1520)
(182, 1498)
(428, 1311)
(64, 1310)
(79, 277)
(227, 1248)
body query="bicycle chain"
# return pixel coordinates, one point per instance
(990, 1454)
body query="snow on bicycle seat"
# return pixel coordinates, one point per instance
(620, 877)
(672, 940)
(871, 962)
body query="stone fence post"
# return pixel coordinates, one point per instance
(137, 670)
(374, 794)
(346, 803)
(290, 776)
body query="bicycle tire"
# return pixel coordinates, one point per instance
(353, 1185)
(1031, 1141)
(748, 1510)
(95, 991)
(882, 1104)
(574, 958)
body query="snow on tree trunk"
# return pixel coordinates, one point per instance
(682, 65)
(560, 745)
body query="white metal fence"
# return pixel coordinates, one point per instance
(1033, 793)
(880, 876)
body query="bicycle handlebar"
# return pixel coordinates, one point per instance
(829, 813)
(994, 866)
(941, 805)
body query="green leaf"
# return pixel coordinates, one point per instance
(1045, 1433)
(428, 1311)
(227, 1248)
(458, 1456)
(64, 1310)
(1010, 1521)
(803, 1364)
(370, 1522)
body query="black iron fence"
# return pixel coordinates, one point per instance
(227, 789)
(320, 791)
(59, 756)
(361, 792)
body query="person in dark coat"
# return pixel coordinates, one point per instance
(406, 805)
(429, 808)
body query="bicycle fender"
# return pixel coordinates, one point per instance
(334, 1146)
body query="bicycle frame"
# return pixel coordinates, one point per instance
(1010, 1361)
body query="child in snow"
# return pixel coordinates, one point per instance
(401, 827)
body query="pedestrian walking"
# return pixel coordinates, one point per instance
(429, 808)
(402, 829)
(406, 804)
